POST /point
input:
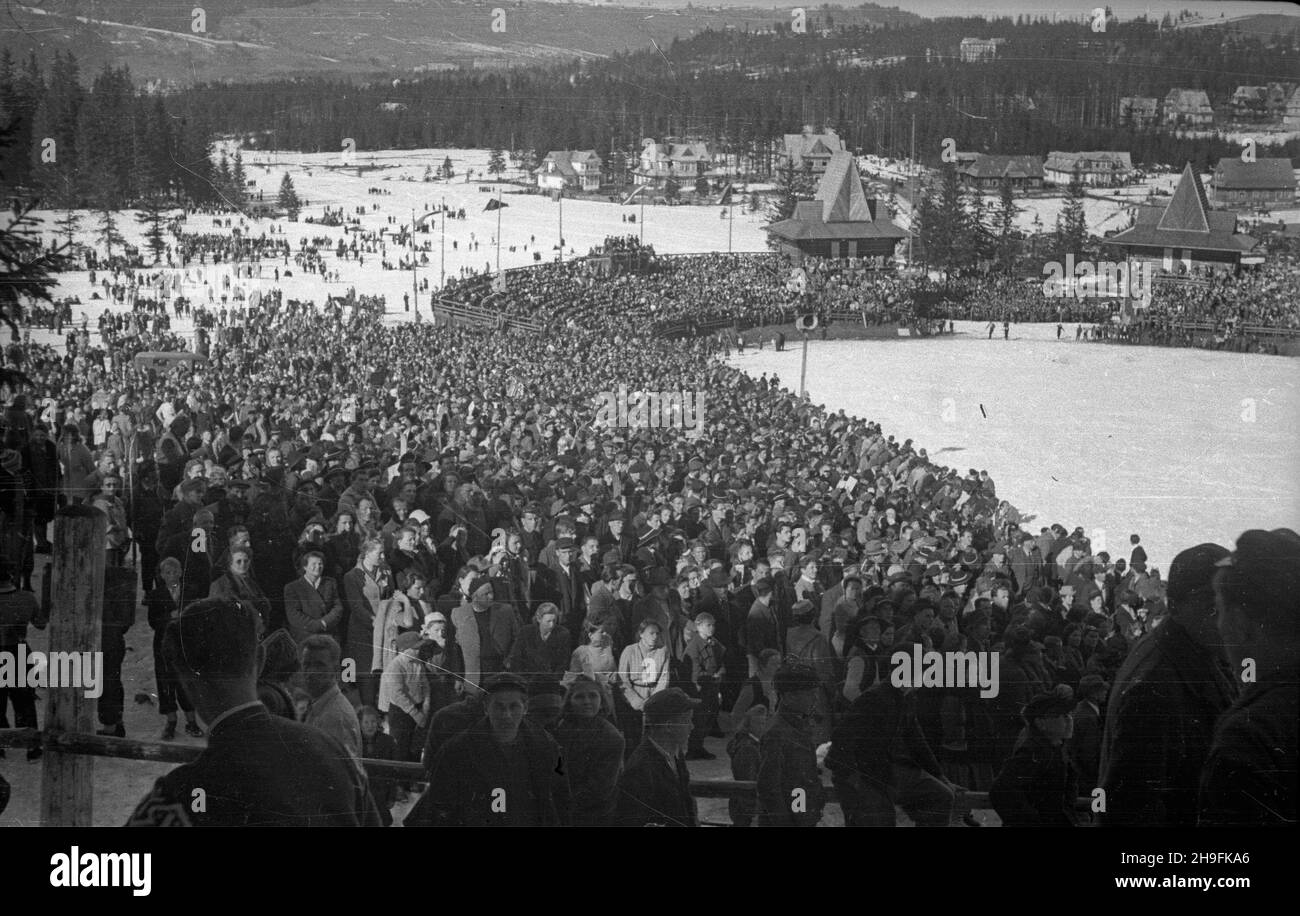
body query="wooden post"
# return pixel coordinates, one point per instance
(76, 614)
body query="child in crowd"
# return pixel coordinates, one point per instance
(706, 655)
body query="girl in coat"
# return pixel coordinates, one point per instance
(593, 752)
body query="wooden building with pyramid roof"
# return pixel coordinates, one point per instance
(1186, 231)
(840, 222)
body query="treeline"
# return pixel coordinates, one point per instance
(1055, 86)
(103, 146)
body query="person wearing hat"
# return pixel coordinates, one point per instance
(1037, 787)
(559, 582)
(790, 792)
(1250, 774)
(654, 789)
(1085, 745)
(502, 771)
(485, 629)
(1165, 699)
(257, 769)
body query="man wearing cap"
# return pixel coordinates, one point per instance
(257, 769)
(1250, 775)
(1036, 787)
(486, 631)
(1166, 697)
(654, 789)
(790, 792)
(558, 583)
(502, 771)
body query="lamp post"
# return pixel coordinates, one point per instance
(561, 199)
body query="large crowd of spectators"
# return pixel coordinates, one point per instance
(441, 508)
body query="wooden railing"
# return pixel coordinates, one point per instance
(462, 313)
(166, 752)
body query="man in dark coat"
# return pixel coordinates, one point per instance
(880, 758)
(654, 789)
(1251, 772)
(1085, 745)
(1166, 698)
(41, 457)
(1037, 787)
(790, 792)
(257, 769)
(503, 771)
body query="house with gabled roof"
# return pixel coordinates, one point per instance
(809, 150)
(1104, 168)
(570, 170)
(1264, 182)
(1187, 108)
(682, 160)
(1185, 231)
(988, 172)
(1139, 111)
(840, 222)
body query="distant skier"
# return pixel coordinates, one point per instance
(1006, 330)
(1060, 328)
(991, 327)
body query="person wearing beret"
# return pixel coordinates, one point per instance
(486, 631)
(1037, 785)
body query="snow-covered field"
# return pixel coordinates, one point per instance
(530, 220)
(1180, 446)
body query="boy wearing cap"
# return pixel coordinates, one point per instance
(654, 789)
(502, 771)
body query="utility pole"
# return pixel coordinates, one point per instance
(561, 223)
(803, 366)
(442, 279)
(498, 230)
(415, 285)
(731, 218)
(641, 221)
(911, 194)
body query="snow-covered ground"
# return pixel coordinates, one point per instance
(530, 220)
(1118, 439)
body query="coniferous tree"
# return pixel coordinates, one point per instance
(108, 233)
(446, 172)
(68, 224)
(496, 162)
(1004, 227)
(1071, 228)
(151, 216)
(24, 271)
(288, 199)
